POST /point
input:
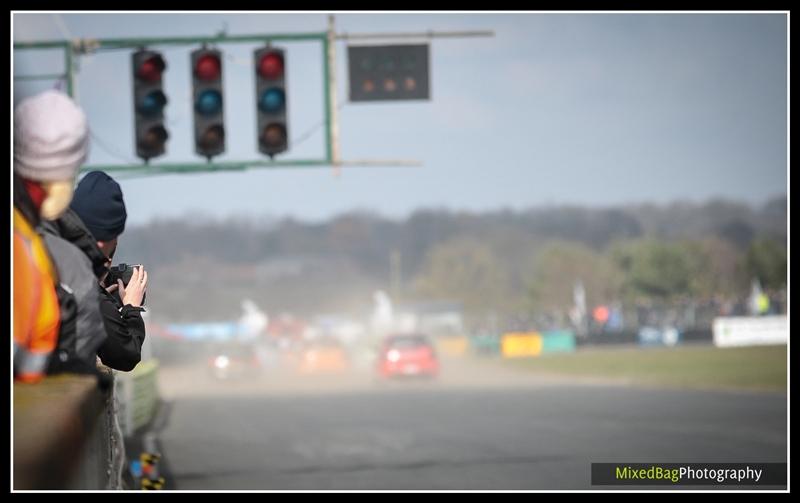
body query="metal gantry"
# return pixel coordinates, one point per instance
(327, 40)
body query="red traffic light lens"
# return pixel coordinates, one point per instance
(150, 70)
(208, 67)
(271, 66)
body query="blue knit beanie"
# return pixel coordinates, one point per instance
(98, 202)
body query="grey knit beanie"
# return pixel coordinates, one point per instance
(51, 137)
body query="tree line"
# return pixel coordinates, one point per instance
(511, 261)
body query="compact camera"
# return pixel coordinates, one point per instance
(123, 272)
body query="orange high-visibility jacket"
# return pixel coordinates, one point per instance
(36, 307)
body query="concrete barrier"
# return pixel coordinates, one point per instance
(485, 344)
(453, 346)
(63, 434)
(558, 341)
(521, 344)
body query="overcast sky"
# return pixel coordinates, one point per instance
(588, 109)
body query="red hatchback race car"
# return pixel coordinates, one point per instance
(407, 355)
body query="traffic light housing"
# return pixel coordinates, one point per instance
(149, 101)
(389, 72)
(272, 126)
(209, 123)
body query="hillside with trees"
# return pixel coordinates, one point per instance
(507, 262)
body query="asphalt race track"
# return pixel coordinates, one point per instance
(476, 427)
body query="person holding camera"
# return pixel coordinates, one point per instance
(99, 206)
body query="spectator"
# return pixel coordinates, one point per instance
(99, 205)
(80, 270)
(50, 143)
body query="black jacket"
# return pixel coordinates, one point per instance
(122, 350)
(124, 326)
(70, 227)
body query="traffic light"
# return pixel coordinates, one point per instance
(271, 100)
(149, 101)
(209, 123)
(388, 72)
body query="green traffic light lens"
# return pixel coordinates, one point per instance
(209, 102)
(272, 100)
(152, 104)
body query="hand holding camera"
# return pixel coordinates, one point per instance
(131, 281)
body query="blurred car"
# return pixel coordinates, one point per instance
(233, 362)
(407, 355)
(323, 356)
